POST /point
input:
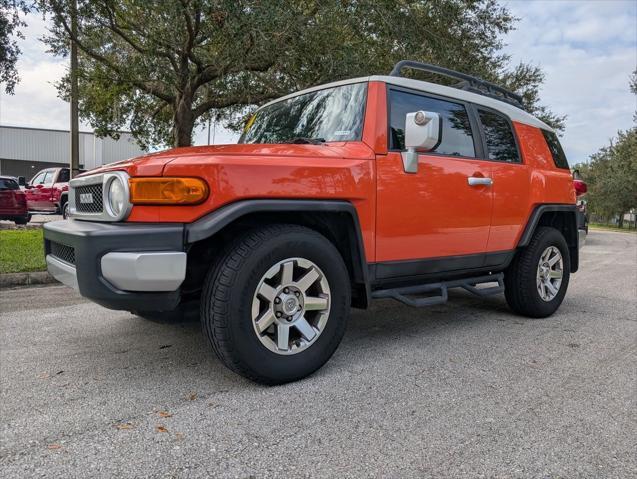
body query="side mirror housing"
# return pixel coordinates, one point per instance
(21, 181)
(422, 133)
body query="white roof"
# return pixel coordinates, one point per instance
(513, 112)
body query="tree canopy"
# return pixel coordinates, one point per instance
(611, 173)
(611, 177)
(10, 24)
(163, 67)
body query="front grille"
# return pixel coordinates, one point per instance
(88, 198)
(63, 252)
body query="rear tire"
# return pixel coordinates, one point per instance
(22, 221)
(65, 210)
(534, 287)
(264, 271)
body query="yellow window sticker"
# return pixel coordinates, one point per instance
(249, 123)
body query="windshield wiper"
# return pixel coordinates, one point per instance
(301, 140)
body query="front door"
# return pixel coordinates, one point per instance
(437, 219)
(39, 195)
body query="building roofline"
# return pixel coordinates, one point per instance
(33, 128)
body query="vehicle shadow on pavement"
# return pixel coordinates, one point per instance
(368, 334)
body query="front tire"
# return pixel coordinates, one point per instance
(275, 305)
(537, 279)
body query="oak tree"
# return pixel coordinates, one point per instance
(162, 67)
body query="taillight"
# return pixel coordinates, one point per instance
(580, 187)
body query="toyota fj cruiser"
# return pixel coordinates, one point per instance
(376, 187)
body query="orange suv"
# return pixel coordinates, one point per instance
(375, 187)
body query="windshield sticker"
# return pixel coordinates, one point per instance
(342, 132)
(249, 123)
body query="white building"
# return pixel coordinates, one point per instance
(25, 151)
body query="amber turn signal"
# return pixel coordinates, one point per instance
(167, 191)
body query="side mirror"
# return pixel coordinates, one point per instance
(21, 181)
(422, 133)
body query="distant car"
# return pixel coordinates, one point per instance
(13, 202)
(47, 192)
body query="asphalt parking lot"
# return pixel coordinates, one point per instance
(461, 390)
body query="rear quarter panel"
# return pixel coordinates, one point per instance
(547, 183)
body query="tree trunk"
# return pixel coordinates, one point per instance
(620, 223)
(184, 121)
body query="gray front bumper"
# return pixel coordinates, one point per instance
(130, 266)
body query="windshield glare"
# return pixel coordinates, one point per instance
(333, 114)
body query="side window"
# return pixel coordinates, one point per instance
(559, 158)
(499, 137)
(48, 178)
(38, 179)
(8, 184)
(63, 176)
(457, 137)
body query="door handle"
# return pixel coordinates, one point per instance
(479, 180)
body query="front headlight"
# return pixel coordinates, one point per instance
(117, 196)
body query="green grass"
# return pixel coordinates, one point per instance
(21, 251)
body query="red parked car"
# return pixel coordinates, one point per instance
(13, 202)
(47, 192)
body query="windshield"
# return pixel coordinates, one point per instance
(333, 114)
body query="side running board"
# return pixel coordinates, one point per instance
(405, 295)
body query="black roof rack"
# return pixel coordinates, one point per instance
(467, 82)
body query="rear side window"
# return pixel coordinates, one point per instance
(499, 137)
(7, 184)
(63, 176)
(457, 137)
(559, 158)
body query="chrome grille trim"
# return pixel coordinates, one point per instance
(97, 185)
(95, 192)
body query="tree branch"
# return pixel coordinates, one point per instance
(149, 87)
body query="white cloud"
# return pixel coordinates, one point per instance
(587, 50)
(35, 102)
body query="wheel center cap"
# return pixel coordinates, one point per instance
(290, 305)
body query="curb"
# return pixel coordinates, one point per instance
(10, 280)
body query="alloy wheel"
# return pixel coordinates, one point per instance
(291, 306)
(549, 273)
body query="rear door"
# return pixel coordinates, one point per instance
(437, 219)
(511, 182)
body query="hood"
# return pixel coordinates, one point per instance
(153, 164)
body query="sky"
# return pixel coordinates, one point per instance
(586, 48)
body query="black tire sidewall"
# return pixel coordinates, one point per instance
(549, 237)
(267, 365)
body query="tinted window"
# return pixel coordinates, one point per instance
(559, 158)
(63, 176)
(7, 184)
(499, 136)
(332, 114)
(457, 138)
